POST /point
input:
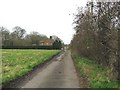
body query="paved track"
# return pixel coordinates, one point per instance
(60, 73)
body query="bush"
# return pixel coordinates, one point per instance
(27, 47)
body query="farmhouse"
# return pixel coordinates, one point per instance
(47, 42)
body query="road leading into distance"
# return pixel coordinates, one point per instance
(60, 73)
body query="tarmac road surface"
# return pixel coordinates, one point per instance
(60, 73)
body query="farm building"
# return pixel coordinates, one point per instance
(47, 42)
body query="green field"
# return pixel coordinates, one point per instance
(16, 63)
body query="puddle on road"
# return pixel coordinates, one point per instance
(60, 57)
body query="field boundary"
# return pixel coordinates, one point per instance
(21, 80)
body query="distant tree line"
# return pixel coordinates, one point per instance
(97, 35)
(18, 38)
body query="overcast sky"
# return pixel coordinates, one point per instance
(49, 17)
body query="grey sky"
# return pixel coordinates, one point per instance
(49, 17)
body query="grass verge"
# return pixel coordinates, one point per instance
(96, 75)
(16, 63)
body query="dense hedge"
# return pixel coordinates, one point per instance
(28, 47)
(97, 35)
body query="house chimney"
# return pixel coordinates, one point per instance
(50, 37)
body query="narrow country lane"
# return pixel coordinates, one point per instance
(60, 73)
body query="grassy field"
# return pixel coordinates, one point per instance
(16, 63)
(96, 74)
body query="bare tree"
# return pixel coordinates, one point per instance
(5, 35)
(97, 34)
(18, 32)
